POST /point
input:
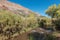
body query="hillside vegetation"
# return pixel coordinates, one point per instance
(15, 22)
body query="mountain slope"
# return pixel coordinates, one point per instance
(17, 9)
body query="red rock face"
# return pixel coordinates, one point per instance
(16, 8)
(13, 7)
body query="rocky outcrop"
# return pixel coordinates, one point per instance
(16, 8)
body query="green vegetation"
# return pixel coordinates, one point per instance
(52, 23)
(12, 24)
(54, 12)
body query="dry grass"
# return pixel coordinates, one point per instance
(57, 34)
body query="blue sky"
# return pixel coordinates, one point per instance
(38, 6)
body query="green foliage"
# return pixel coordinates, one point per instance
(12, 24)
(53, 11)
(45, 22)
(38, 36)
(56, 22)
(50, 37)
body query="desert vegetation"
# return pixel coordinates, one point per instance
(12, 24)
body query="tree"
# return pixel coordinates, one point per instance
(54, 13)
(51, 11)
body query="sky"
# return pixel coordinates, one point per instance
(38, 6)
